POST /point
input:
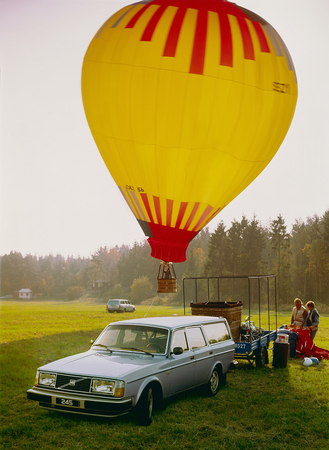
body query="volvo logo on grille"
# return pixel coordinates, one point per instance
(65, 382)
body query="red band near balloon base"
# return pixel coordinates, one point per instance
(168, 251)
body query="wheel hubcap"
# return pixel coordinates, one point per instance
(214, 381)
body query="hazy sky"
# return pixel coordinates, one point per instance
(56, 193)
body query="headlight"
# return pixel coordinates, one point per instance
(116, 388)
(103, 386)
(47, 379)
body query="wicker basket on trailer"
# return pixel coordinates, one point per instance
(232, 311)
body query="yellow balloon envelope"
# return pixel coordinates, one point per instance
(188, 101)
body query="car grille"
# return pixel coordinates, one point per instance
(73, 383)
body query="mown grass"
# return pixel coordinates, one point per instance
(263, 408)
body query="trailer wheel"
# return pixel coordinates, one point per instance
(262, 359)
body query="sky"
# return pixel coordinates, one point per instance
(56, 194)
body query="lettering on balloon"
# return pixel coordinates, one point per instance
(132, 188)
(280, 87)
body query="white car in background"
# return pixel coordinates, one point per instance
(119, 305)
(137, 364)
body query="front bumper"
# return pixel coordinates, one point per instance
(89, 405)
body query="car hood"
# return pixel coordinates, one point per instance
(98, 364)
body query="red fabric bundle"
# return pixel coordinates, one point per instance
(306, 347)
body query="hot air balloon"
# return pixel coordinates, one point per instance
(187, 101)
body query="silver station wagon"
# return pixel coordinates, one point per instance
(137, 364)
(119, 305)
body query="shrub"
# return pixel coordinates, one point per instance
(74, 292)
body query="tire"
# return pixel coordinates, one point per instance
(261, 359)
(145, 407)
(215, 382)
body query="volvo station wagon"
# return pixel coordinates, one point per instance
(137, 365)
(119, 305)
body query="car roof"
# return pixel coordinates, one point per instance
(169, 321)
(117, 300)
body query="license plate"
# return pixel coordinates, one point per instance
(67, 402)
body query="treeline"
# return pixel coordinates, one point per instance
(299, 259)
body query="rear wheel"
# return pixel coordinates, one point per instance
(145, 407)
(215, 382)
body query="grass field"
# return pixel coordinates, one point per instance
(259, 408)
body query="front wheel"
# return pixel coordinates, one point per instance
(145, 407)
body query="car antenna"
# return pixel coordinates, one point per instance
(149, 308)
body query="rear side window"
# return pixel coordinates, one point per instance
(216, 332)
(196, 338)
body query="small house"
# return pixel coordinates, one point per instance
(25, 294)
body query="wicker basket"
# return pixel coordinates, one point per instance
(232, 311)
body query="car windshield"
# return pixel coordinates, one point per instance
(134, 337)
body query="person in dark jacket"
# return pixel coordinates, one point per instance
(313, 319)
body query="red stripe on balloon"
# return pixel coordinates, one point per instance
(199, 46)
(262, 38)
(246, 39)
(170, 204)
(133, 21)
(214, 214)
(192, 215)
(149, 30)
(181, 213)
(226, 46)
(157, 209)
(172, 39)
(147, 207)
(203, 217)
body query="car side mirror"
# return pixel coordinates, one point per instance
(91, 341)
(177, 350)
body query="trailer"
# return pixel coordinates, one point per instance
(229, 297)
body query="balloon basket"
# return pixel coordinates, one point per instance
(167, 281)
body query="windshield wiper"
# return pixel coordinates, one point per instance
(104, 346)
(137, 350)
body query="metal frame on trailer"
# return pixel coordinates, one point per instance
(255, 350)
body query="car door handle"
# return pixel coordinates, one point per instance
(191, 357)
(211, 352)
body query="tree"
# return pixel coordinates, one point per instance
(253, 244)
(299, 239)
(280, 245)
(141, 289)
(12, 273)
(234, 246)
(316, 251)
(216, 262)
(95, 270)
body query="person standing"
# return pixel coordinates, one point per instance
(299, 314)
(312, 319)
